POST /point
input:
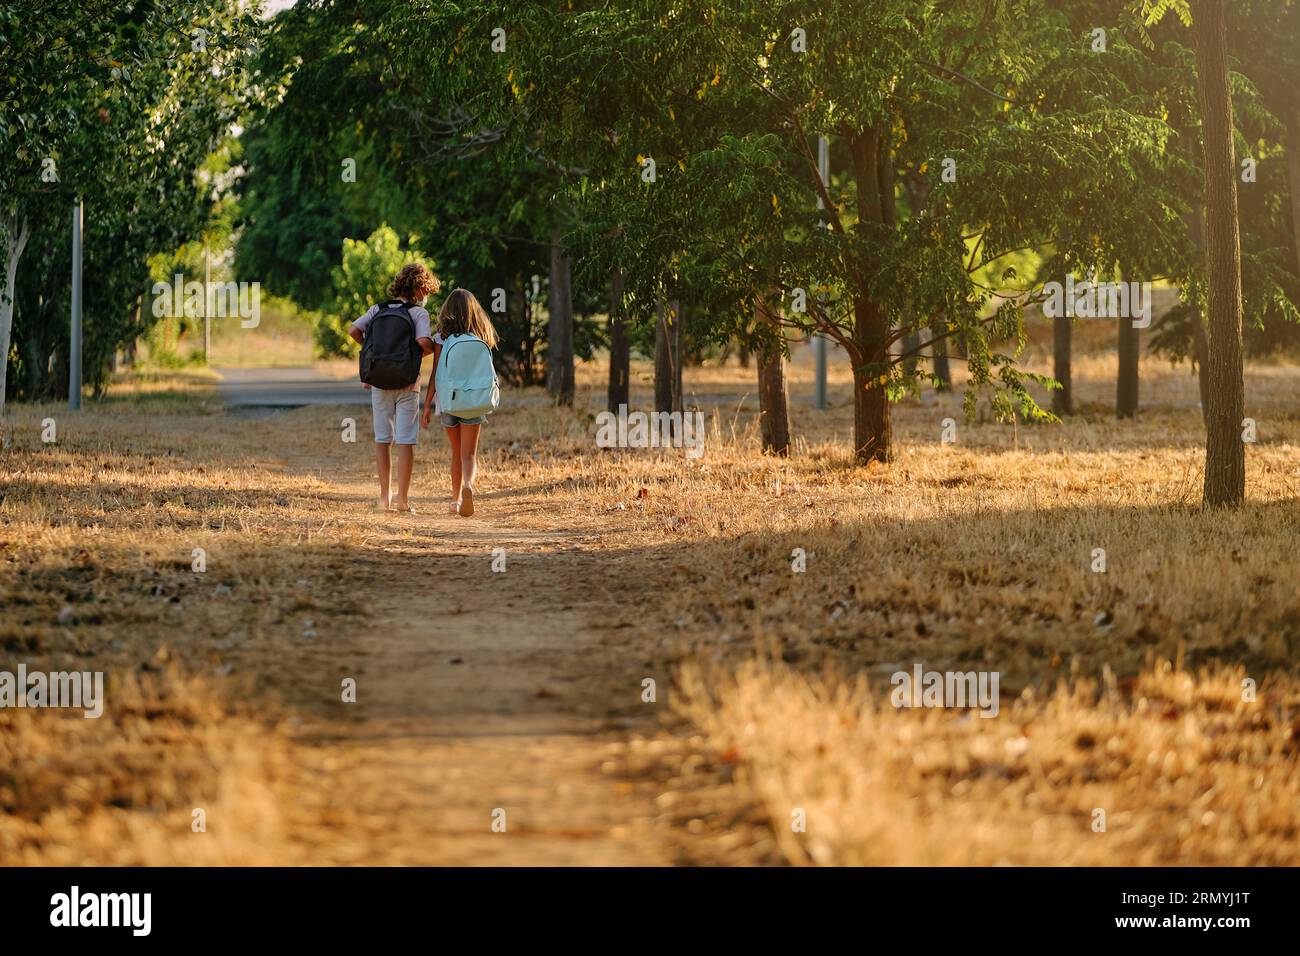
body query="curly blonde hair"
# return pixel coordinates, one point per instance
(414, 283)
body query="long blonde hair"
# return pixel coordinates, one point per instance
(462, 314)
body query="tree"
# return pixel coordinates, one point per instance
(559, 329)
(1225, 453)
(463, 156)
(1063, 397)
(620, 349)
(295, 212)
(670, 146)
(773, 400)
(1263, 37)
(17, 230)
(725, 98)
(362, 277)
(119, 104)
(668, 358)
(1126, 385)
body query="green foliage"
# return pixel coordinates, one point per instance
(1067, 160)
(1062, 161)
(358, 282)
(431, 159)
(294, 212)
(130, 109)
(1153, 11)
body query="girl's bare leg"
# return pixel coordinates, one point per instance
(468, 466)
(453, 436)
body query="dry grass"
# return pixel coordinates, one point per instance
(104, 791)
(978, 557)
(283, 337)
(1184, 771)
(628, 564)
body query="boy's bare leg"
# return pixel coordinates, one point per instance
(383, 465)
(405, 461)
(468, 466)
(453, 437)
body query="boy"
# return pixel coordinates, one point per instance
(395, 412)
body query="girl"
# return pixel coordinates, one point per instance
(461, 314)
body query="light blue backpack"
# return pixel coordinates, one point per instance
(465, 380)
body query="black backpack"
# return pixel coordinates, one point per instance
(390, 356)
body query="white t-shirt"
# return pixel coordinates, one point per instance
(423, 328)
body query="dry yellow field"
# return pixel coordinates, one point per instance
(483, 696)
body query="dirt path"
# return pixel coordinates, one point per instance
(510, 691)
(479, 693)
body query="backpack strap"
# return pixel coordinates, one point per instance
(404, 306)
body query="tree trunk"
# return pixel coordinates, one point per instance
(16, 235)
(1126, 386)
(559, 332)
(1062, 341)
(668, 359)
(620, 348)
(1225, 454)
(939, 356)
(871, 426)
(773, 399)
(911, 351)
(872, 430)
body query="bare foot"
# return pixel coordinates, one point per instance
(453, 508)
(404, 506)
(381, 504)
(466, 501)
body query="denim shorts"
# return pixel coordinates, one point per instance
(451, 421)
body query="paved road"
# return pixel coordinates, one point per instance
(292, 387)
(288, 388)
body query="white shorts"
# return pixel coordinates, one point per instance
(396, 413)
